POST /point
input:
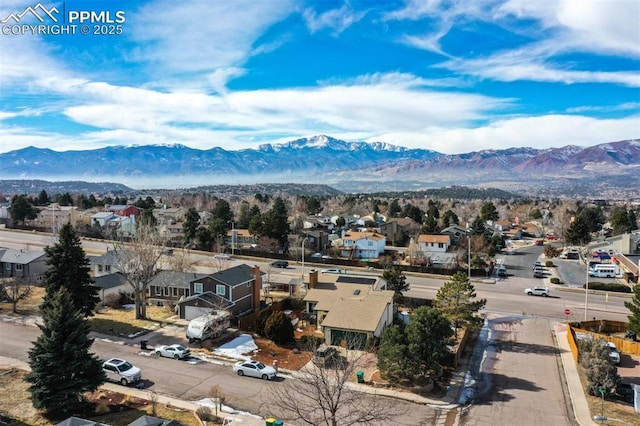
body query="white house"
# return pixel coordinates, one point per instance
(433, 243)
(361, 245)
(101, 218)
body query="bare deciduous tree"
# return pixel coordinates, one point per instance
(138, 261)
(15, 290)
(325, 395)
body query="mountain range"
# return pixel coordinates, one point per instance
(347, 166)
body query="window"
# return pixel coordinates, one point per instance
(99, 268)
(158, 291)
(175, 292)
(7, 266)
(107, 268)
(220, 289)
(166, 291)
(197, 288)
(440, 245)
(19, 267)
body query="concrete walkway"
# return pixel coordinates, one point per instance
(576, 391)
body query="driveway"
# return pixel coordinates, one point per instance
(518, 377)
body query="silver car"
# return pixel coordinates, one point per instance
(119, 370)
(254, 369)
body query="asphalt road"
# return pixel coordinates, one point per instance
(518, 382)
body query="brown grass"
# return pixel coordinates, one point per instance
(618, 412)
(122, 322)
(28, 306)
(15, 405)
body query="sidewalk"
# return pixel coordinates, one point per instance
(576, 391)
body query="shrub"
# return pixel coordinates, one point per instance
(261, 320)
(102, 408)
(618, 288)
(548, 263)
(554, 280)
(204, 413)
(279, 329)
(309, 343)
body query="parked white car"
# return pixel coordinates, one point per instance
(175, 351)
(254, 369)
(614, 354)
(119, 370)
(331, 271)
(537, 291)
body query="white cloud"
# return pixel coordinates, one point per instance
(200, 36)
(337, 20)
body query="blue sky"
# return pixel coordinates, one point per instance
(452, 76)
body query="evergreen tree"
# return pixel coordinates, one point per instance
(634, 306)
(621, 222)
(279, 329)
(456, 300)
(22, 209)
(578, 232)
(245, 215)
(430, 225)
(396, 282)
(488, 212)
(601, 373)
(190, 225)
(69, 268)
(450, 218)
(62, 369)
(222, 211)
(275, 224)
(428, 334)
(394, 208)
(393, 354)
(43, 198)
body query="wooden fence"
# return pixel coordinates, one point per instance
(604, 329)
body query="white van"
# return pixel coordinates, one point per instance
(603, 270)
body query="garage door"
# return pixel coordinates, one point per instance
(352, 339)
(191, 312)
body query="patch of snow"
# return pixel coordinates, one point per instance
(129, 306)
(237, 347)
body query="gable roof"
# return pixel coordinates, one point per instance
(434, 238)
(22, 257)
(210, 299)
(235, 276)
(77, 421)
(153, 421)
(351, 306)
(355, 236)
(108, 258)
(106, 282)
(175, 279)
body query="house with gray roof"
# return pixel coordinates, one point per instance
(28, 264)
(237, 287)
(168, 287)
(112, 285)
(105, 264)
(349, 308)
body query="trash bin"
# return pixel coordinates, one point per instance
(143, 345)
(360, 376)
(270, 421)
(278, 423)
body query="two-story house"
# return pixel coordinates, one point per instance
(168, 287)
(123, 210)
(361, 245)
(27, 264)
(236, 289)
(433, 243)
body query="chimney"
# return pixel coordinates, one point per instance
(313, 279)
(257, 286)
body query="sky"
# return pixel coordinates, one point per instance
(451, 76)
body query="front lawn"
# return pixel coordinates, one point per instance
(122, 322)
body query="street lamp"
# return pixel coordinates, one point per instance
(469, 254)
(302, 246)
(233, 237)
(586, 289)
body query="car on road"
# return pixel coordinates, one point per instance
(537, 291)
(175, 351)
(538, 273)
(222, 256)
(332, 271)
(614, 354)
(121, 371)
(537, 265)
(280, 264)
(254, 369)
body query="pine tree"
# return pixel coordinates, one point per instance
(69, 268)
(428, 334)
(393, 354)
(396, 282)
(634, 307)
(279, 329)
(455, 299)
(62, 369)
